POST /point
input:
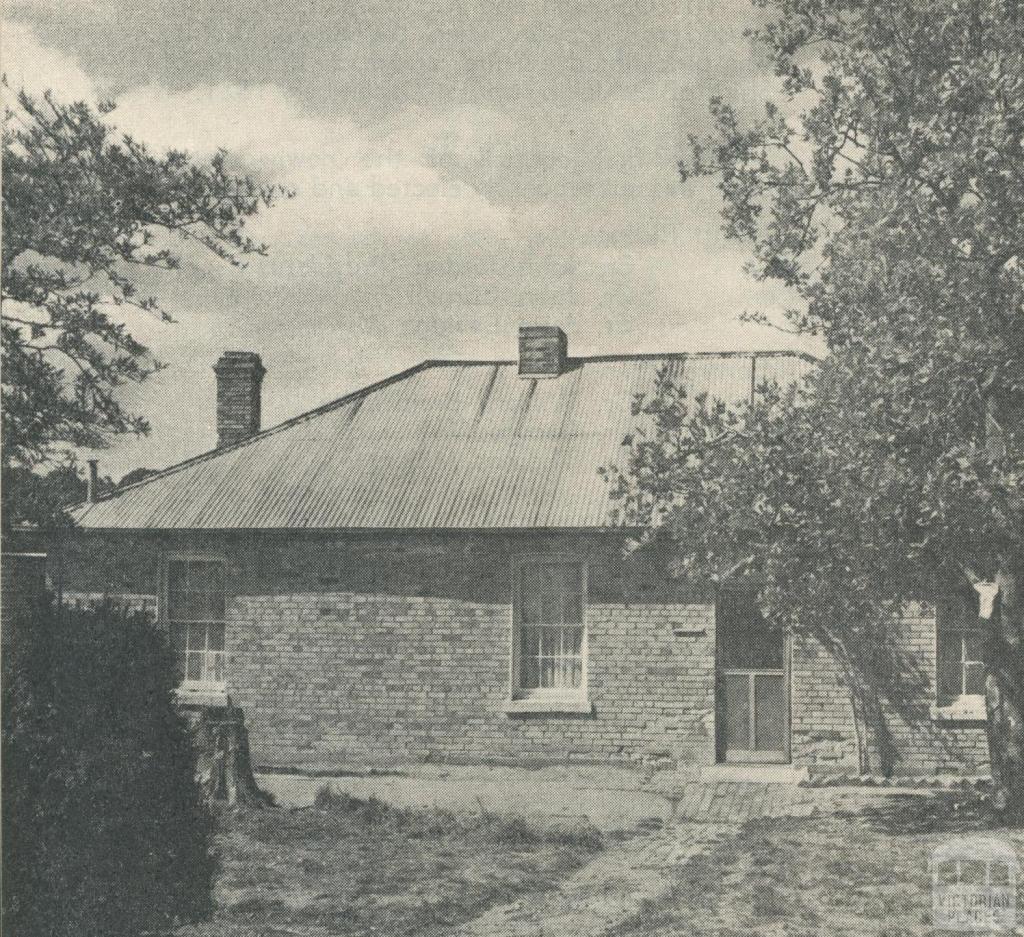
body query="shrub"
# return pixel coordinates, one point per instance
(104, 828)
(370, 812)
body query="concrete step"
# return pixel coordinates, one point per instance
(755, 773)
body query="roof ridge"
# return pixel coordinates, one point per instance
(679, 355)
(634, 356)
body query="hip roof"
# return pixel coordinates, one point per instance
(444, 445)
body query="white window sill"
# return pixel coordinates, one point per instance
(202, 695)
(577, 705)
(964, 709)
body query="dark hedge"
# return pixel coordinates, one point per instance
(104, 828)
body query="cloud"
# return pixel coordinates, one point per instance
(464, 134)
(349, 180)
(446, 193)
(29, 64)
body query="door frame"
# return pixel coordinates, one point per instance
(785, 755)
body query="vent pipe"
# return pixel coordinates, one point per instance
(92, 482)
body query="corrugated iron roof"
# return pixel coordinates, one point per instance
(444, 445)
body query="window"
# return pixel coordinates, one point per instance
(551, 639)
(959, 639)
(195, 617)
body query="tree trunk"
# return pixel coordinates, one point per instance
(875, 752)
(860, 727)
(223, 766)
(1004, 692)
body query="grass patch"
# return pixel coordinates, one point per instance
(509, 830)
(353, 866)
(863, 875)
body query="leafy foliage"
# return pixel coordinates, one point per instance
(40, 499)
(105, 830)
(887, 190)
(84, 210)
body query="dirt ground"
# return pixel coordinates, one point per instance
(861, 874)
(360, 867)
(849, 863)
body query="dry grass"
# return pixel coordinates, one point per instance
(863, 876)
(349, 866)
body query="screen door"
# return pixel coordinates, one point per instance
(753, 703)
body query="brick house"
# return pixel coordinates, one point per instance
(425, 570)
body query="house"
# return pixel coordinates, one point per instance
(425, 570)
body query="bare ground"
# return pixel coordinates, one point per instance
(846, 874)
(360, 867)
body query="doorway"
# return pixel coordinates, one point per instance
(752, 682)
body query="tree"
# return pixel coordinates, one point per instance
(101, 804)
(105, 826)
(887, 189)
(39, 499)
(84, 210)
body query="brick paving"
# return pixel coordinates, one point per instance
(737, 801)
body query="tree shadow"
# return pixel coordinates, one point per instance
(960, 812)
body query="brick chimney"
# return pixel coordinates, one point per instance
(542, 350)
(239, 378)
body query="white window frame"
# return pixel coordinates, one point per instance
(966, 660)
(217, 686)
(547, 699)
(972, 700)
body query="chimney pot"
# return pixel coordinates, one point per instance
(239, 386)
(542, 351)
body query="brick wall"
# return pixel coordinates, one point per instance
(342, 678)
(823, 733)
(380, 649)
(824, 736)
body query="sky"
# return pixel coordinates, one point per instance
(459, 169)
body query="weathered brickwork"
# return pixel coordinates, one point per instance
(824, 736)
(823, 733)
(354, 679)
(239, 379)
(373, 650)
